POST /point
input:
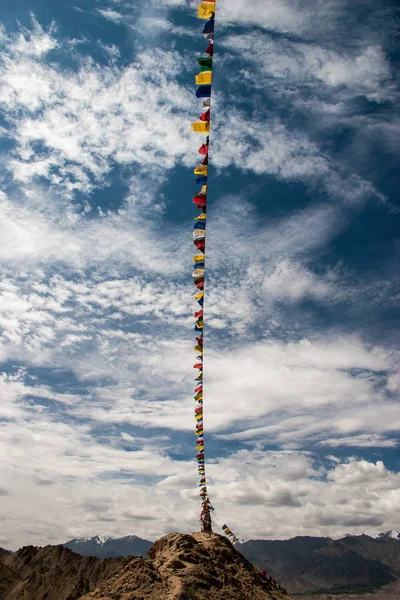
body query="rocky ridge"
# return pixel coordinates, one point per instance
(179, 567)
(53, 573)
(189, 567)
(310, 563)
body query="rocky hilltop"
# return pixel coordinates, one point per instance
(178, 567)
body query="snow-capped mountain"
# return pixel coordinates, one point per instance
(97, 539)
(104, 546)
(389, 534)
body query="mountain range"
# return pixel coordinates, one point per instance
(300, 564)
(178, 567)
(107, 547)
(312, 563)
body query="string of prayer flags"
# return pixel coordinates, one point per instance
(229, 534)
(203, 79)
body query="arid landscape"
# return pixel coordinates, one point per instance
(178, 567)
(205, 566)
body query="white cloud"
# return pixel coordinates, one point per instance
(81, 120)
(365, 440)
(295, 282)
(277, 61)
(111, 15)
(329, 22)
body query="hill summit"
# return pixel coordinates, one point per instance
(189, 567)
(178, 567)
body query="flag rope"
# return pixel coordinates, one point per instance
(205, 10)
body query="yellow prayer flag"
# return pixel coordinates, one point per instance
(205, 10)
(203, 191)
(199, 295)
(203, 215)
(198, 258)
(204, 78)
(201, 126)
(201, 170)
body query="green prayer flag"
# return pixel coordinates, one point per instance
(205, 61)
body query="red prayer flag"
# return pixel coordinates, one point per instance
(200, 285)
(203, 149)
(200, 244)
(210, 49)
(205, 116)
(198, 314)
(205, 160)
(198, 366)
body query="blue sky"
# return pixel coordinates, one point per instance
(301, 362)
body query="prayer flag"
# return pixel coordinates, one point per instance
(204, 78)
(205, 61)
(210, 49)
(201, 126)
(205, 10)
(204, 91)
(209, 26)
(198, 272)
(203, 148)
(205, 117)
(201, 170)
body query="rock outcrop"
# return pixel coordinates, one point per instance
(189, 567)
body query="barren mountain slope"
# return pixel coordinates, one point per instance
(56, 573)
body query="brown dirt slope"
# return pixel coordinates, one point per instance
(189, 567)
(55, 573)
